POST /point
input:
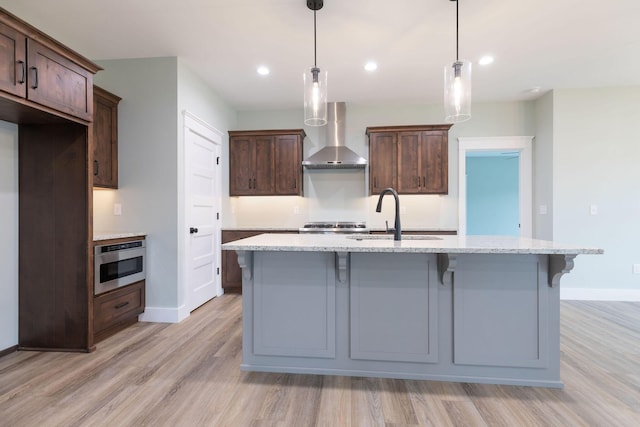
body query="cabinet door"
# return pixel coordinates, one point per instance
(263, 175)
(56, 82)
(105, 139)
(13, 61)
(434, 161)
(393, 323)
(409, 174)
(288, 179)
(382, 161)
(241, 165)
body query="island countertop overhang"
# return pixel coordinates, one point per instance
(443, 244)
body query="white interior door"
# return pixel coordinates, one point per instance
(202, 216)
(521, 144)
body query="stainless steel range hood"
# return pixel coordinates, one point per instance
(335, 155)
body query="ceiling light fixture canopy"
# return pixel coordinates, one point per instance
(315, 82)
(457, 87)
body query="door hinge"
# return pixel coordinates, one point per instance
(218, 271)
(218, 160)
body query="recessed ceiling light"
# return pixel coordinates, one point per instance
(486, 60)
(262, 70)
(370, 66)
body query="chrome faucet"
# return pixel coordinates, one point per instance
(397, 233)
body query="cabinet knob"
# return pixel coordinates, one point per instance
(96, 168)
(193, 230)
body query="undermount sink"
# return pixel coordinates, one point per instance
(390, 237)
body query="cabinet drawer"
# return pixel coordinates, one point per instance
(117, 306)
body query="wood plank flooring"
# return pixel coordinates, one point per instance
(188, 374)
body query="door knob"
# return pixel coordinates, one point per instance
(193, 230)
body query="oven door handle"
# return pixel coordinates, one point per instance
(120, 255)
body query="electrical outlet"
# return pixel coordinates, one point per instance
(593, 210)
(636, 268)
(117, 209)
(296, 210)
(403, 210)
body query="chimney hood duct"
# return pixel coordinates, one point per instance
(335, 155)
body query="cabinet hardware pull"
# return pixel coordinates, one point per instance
(249, 183)
(193, 230)
(375, 182)
(254, 183)
(96, 168)
(23, 67)
(295, 184)
(122, 304)
(424, 181)
(34, 85)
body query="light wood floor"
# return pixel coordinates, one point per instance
(187, 374)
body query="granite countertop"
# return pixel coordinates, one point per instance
(409, 244)
(97, 236)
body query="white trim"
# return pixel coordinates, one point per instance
(164, 314)
(522, 144)
(591, 294)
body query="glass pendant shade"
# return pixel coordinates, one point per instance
(457, 91)
(315, 97)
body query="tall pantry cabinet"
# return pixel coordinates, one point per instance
(47, 89)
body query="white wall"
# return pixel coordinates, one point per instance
(8, 235)
(147, 168)
(543, 168)
(155, 92)
(596, 150)
(343, 195)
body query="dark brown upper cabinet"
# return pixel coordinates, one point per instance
(411, 159)
(42, 71)
(265, 162)
(105, 138)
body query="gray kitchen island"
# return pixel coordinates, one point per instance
(446, 308)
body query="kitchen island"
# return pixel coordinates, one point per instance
(448, 308)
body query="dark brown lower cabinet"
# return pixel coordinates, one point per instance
(115, 310)
(231, 272)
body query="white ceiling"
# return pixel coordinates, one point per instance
(544, 43)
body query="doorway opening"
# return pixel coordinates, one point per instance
(495, 186)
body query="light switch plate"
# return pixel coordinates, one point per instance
(542, 209)
(636, 268)
(593, 210)
(117, 209)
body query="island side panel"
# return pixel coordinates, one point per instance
(394, 307)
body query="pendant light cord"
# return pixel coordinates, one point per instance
(315, 65)
(457, 56)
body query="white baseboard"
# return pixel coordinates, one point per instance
(164, 314)
(589, 294)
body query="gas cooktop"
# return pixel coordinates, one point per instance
(333, 227)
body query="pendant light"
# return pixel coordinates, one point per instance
(315, 82)
(457, 87)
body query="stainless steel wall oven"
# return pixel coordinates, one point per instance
(118, 264)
